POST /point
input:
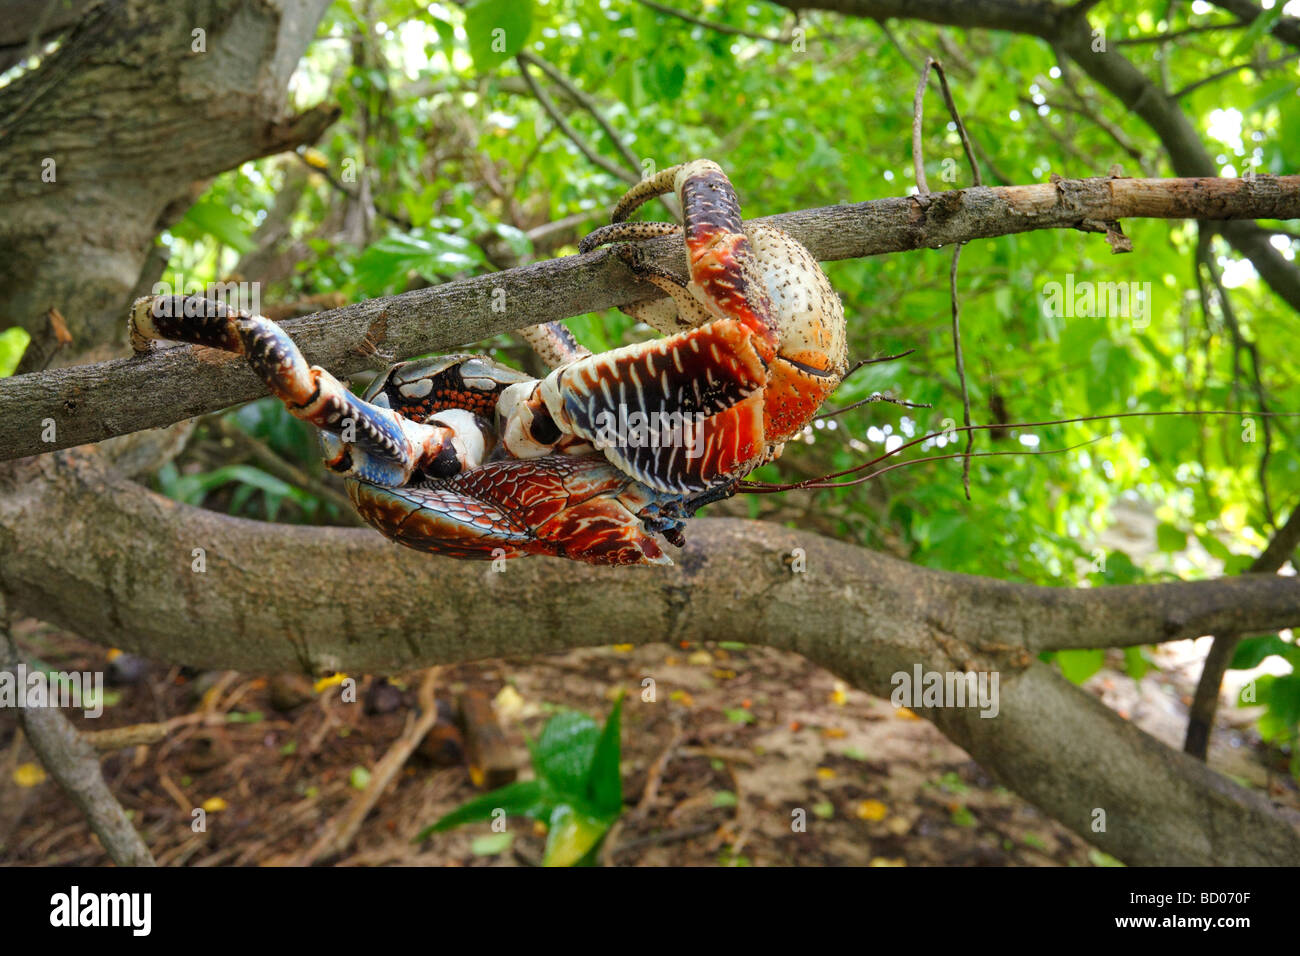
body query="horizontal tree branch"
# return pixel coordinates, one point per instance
(120, 570)
(92, 402)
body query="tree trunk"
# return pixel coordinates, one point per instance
(114, 135)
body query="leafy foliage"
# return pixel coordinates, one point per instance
(577, 790)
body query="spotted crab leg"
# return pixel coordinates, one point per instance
(361, 439)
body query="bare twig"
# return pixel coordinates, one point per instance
(340, 834)
(547, 104)
(1200, 717)
(712, 24)
(919, 162)
(1213, 77)
(587, 103)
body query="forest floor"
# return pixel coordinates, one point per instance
(738, 740)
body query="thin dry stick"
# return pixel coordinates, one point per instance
(1200, 717)
(918, 161)
(587, 103)
(544, 98)
(339, 836)
(74, 765)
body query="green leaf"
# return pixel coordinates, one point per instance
(212, 218)
(724, 798)
(1252, 651)
(13, 342)
(573, 835)
(492, 844)
(605, 784)
(497, 29)
(1077, 666)
(563, 753)
(1136, 663)
(1169, 539)
(359, 778)
(1258, 27)
(524, 798)
(739, 715)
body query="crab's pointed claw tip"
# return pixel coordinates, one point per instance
(661, 559)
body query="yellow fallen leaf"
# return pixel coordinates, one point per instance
(906, 714)
(872, 810)
(29, 774)
(623, 648)
(840, 695)
(700, 658)
(720, 674)
(316, 158)
(327, 682)
(834, 733)
(682, 697)
(884, 861)
(826, 773)
(214, 805)
(508, 703)
(112, 655)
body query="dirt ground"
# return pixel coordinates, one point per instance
(737, 740)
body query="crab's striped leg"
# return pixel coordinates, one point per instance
(725, 277)
(554, 343)
(361, 439)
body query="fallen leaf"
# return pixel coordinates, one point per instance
(29, 774)
(872, 810)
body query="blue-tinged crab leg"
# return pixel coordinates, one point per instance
(361, 439)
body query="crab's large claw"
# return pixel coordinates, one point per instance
(578, 507)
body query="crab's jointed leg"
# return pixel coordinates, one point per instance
(581, 508)
(361, 439)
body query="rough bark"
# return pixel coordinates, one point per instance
(275, 597)
(92, 402)
(77, 243)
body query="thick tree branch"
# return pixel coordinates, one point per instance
(277, 597)
(93, 402)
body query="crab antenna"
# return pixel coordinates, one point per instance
(767, 488)
(862, 466)
(874, 397)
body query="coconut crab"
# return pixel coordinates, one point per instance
(460, 455)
